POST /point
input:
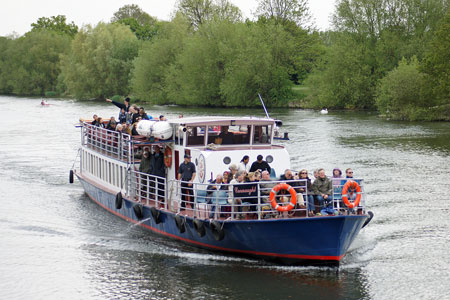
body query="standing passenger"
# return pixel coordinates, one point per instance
(244, 164)
(159, 170)
(186, 173)
(125, 105)
(260, 164)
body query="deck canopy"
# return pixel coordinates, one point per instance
(222, 121)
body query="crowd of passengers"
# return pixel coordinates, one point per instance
(319, 189)
(127, 120)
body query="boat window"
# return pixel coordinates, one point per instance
(262, 134)
(195, 136)
(228, 135)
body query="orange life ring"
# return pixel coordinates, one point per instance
(168, 157)
(275, 190)
(353, 185)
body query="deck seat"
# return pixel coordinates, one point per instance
(201, 196)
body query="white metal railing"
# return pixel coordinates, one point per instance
(149, 189)
(223, 202)
(109, 142)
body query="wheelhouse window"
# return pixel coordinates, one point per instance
(229, 135)
(196, 136)
(262, 134)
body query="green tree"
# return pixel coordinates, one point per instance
(57, 24)
(343, 78)
(437, 61)
(403, 90)
(296, 11)
(100, 62)
(133, 11)
(153, 68)
(30, 64)
(201, 11)
(260, 61)
(141, 23)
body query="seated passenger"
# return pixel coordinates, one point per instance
(95, 120)
(143, 114)
(305, 188)
(337, 175)
(100, 123)
(323, 188)
(216, 185)
(226, 136)
(122, 116)
(111, 125)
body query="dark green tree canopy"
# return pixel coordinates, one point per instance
(57, 24)
(296, 11)
(202, 11)
(133, 11)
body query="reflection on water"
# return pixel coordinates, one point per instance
(56, 243)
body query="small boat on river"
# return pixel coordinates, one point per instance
(245, 218)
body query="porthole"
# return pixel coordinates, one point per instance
(226, 160)
(269, 158)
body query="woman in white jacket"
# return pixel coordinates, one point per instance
(244, 165)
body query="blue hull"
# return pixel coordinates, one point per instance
(312, 241)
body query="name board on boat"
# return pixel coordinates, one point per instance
(245, 190)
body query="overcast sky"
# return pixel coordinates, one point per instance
(17, 15)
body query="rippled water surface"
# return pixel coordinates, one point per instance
(56, 244)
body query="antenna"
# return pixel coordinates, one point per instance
(264, 106)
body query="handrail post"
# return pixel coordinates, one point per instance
(259, 202)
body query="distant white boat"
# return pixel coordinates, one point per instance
(324, 111)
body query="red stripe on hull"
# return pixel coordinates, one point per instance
(268, 254)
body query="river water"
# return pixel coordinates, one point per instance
(57, 244)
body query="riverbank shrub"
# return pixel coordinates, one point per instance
(403, 93)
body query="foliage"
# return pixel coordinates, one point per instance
(437, 61)
(100, 62)
(142, 32)
(152, 68)
(142, 24)
(199, 12)
(371, 37)
(30, 64)
(403, 90)
(343, 79)
(133, 11)
(282, 11)
(55, 23)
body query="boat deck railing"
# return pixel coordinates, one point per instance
(249, 200)
(108, 142)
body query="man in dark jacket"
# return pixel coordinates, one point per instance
(323, 187)
(260, 164)
(125, 105)
(186, 173)
(158, 169)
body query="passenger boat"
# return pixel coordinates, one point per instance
(262, 224)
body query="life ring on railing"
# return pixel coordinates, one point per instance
(353, 185)
(168, 157)
(274, 192)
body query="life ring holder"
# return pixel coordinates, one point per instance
(168, 157)
(353, 185)
(274, 192)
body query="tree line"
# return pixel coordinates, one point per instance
(393, 56)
